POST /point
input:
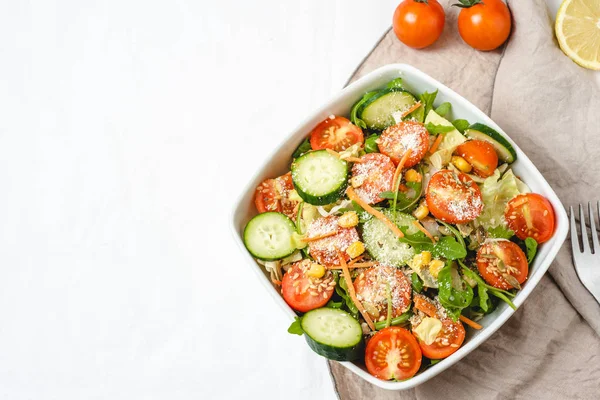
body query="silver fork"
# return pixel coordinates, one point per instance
(587, 262)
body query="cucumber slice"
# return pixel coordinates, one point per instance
(383, 245)
(378, 112)
(319, 177)
(333, 334)
(504, 149)
(268, 236)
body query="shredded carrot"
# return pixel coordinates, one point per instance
(471, 323)
(333, 152)
(413, 108)
(424, 305)
(436, 144)
(352, 292)
(399, 168)
(425, 231)
(356, 259)
(319, 237)
(354, 159)
(275, 281)
(377, 214)
(355, 265)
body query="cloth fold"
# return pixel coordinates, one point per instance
(550, 106)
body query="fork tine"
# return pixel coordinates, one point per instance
(574, 237)
(584, 236)
(594, 233)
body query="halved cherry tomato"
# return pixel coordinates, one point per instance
(531, 215)
(502, 264)
(336, 133)
(419, 24)
(297, 291)
(453, 197)
(273, 195)
(393, 353)
(450, 338)
(481, 155)
(372, 286)
(373, 175)
(324, 251)
(485, 25)
(397, 139)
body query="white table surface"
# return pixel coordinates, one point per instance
(127, 129)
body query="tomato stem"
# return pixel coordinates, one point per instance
(468, 3)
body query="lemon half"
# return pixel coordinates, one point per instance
(578, 31)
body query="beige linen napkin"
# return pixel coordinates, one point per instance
(550, 348)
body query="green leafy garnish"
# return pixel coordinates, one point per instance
(371, 145)
(447, 247)
(455, 232)
(531, 245)
(484, 287)
(304, 147)
(443, 109)
(461, 125)
(395, 84)
(427, 100)
(387, 195)
(418, 241)
(417, 283)
(454, 296)
(334, 304)
(399, 320)
(500, 232)
(342, 290)
(434, 129)
(355, 108)
(296, 327)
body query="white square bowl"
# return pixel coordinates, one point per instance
(417, 82)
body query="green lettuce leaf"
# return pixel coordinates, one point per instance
(497, 191)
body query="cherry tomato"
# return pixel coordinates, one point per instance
(450, 338)
(393, 353)
(531, 215)
(273, 195)
(372, 285)
(502, 264)
(481, 155)
(397, 139)
(373, 175)
(419, 24)
(324, 250)
(453, 197)
(486, 25)
(296, 287)
(336, 133)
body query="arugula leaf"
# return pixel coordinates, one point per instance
(447, 247)
(404, 202)
(455, 232)
(354, 112)
(399, 320)
(389, 195)
(395, 84)
(334, 304)
(370, 145)
(437, 129)
(418, 241)
(296, 328)
(484, 287)
(483, 297)
(427, 99)
(453, 299)
(342, 290)
(443, 109)
(304, 147)
(417, 283)
(461, 125)
(500, 232)
(363, 216)
(531, 245)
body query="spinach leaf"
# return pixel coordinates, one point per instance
(500, 232)
(296, 328)
(370, 145)
(427, 99)
(531, 245)
(434, 129)
(452, 298)
(304, 147)
(355, 108)
(447, 247)
(395, 84)
(461, 125)
(443, 109)
(417, 283)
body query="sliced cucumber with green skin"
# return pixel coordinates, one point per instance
(268, 236)
(319, 177)
(504, 149)
(383, 245)
(333, 334)
(377, 112)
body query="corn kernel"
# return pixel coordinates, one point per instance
(412, 176)
(421, 260)
(316, 270)
(348, 219)
(435, 266)
(355, 249)
(421, 212)
(461, 164)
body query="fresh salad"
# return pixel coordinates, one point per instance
(395, 229)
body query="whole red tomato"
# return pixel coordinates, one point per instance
(484, 25)
(419, 23)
